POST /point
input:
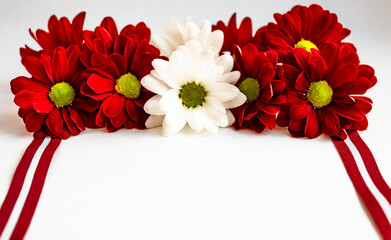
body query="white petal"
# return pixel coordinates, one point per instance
(231, 118)
(196, 118)
(154, 121)
(153, 84)
(226, 61)
(152, 106)
(170, 101)
(215, 41)
(231, 77)
(223, 91)
(190, 31)
(205, 29)
(236, 101)
(173, 29)
(195, 47)
(174, 122)
(165, 45)
(211, 127)
(168, 74)
(216, 111)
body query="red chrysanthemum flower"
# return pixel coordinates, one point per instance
(115, 65)
(61, 33)
(237, 36)
(304, 27)
(323, 89)
(50, 101)
(261, 82)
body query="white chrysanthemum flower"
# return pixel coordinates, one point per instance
(193, 87)
(176, 35)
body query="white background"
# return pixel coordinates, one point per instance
(234, 185)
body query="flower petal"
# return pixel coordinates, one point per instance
(312, 128)
(300, 110)
(174, 122)
(113, 105)
(153, 84)
(154, 121)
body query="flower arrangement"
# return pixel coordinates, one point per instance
(295, 72)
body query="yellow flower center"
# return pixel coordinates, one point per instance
(192, 94)
(320, 94)
(62, 94)
(128, 85)
(250, 88)
(305, 44)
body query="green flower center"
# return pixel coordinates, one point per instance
(319, 94)
(250, 88)
(192, 94)
(305, 44)
(62, 94)
(128, 85)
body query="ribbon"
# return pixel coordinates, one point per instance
(17, 183)
(362, 189)
(370, 165)
(35, 190)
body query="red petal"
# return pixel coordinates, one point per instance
(278, 86)
(119, 120)
(268, 120)
(343, 99)
(267, 108)
(266, 74)
(104, 63)
(47, 63)
(283, 118)
(100, 84)
(34, 121)
(302, 83)
(87, 91)
(78, 21)
(44, 105)
(68, 121)
(76, 118)
(312, 128)
(109, 24)
(300, 110)
(297, 125)
(250, 111)
(113, 105)
(36, 69)
(360, 125)
(357, 86)
(349, 111)
(54, 123)
(303, 57)
(132, 111)
(344, 74)
(365, 104)
(318, 68)
(23, 83)
(60, 65)
(329, 121)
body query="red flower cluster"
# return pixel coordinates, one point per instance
(84, 78)
(50, 101)
(297, 69)
(115, 65)
(322, 77)
(323, 88)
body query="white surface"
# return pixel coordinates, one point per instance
(234, 185)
